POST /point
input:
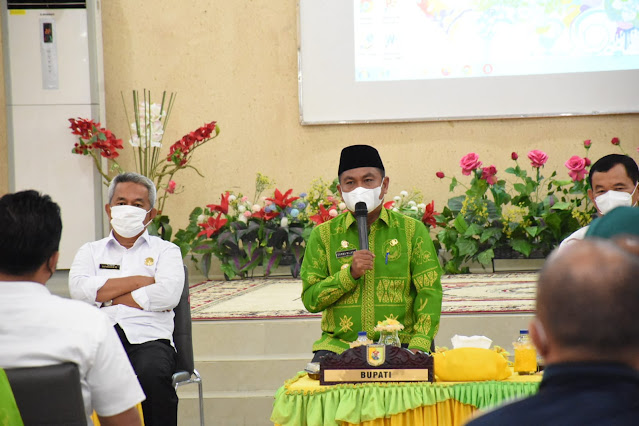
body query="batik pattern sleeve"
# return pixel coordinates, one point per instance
(426, 276)
(321, 286)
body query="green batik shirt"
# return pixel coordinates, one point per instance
(404, 283)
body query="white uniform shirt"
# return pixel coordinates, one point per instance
(578, 235)
(98, 261)
(39, 329)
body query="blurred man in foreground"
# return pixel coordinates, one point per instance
(39, 329)
(587, 331)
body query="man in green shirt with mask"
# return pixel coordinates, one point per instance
(398, 277)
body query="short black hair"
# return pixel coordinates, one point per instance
(30, 231)
(611, 160)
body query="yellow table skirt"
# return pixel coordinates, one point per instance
(304, 401)
(96, 421)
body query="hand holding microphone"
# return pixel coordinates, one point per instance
(362, 258)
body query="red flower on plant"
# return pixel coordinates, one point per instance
(440, 175)
(389, 204)
(469, 162)
(588, 162)
(283, 201)
(322, 216)
(170, 188)
(179, 151)
(212, 226)
(223, 207)
(429, 214)
(587, 143)
(577, 167)
(615, 141)
(514, 156)
(263, 214)
(92, 136)
(488, 174)
(537, 158)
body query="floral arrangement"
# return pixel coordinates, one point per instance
(389, 324)
(147, 128)
(530, 216)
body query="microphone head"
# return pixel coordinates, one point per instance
(361, 209)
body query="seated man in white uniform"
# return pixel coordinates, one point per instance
(613, 183)
(137, 280)
(40, 329)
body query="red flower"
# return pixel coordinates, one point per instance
(212, 225)
(469, 162)
(577, 168)
(587, 143)
(615, 141)
(587, 160)
(92, 136)
(283, 201)
(440, 175)
(488, 174)
(263, 214)
(322, 216)
(537, 158)
(514, 156)
(170, 188)
(389, 204)
(223, 207)
(179, 151)
(429, 214)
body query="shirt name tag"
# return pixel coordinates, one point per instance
(346, 253)
(108, 266)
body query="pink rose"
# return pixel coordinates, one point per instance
(587, 143)
(514, 156)
(537, 158)
(615, 141)
(469, 162)
(577, 167)
(587, 160)
(441, 174)
(488, 174)
(171, 187)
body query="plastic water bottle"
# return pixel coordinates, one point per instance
(361, 337)
(525, 354)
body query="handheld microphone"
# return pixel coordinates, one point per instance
(361, 214)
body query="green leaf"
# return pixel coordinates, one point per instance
(533, 231)
(561, 205)
(473, 230)
(467, 247)
(522, 246)
(460, 224)
(453, 184)
(486, 257)
(510, 170)
(489, 233)
(521, 188)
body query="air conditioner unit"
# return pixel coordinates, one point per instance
(53, 72)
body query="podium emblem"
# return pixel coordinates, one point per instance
(375, 354)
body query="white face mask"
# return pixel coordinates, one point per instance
(128, 221)
(368, 196)
(612, 199)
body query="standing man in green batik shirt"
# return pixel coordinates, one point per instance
(397, 277)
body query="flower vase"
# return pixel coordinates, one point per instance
(389, 338)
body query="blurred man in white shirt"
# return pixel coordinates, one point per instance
(137, 280)
(40, 329)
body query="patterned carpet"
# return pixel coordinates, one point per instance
(265, 298)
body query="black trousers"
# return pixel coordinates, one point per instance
(154, 363)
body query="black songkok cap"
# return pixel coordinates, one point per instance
(355, 156)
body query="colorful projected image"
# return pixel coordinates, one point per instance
(429, 39)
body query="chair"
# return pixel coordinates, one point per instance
(183, 339)
(49, 395)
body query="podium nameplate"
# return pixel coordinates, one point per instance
(376, 363)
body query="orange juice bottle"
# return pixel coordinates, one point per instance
(525, 354)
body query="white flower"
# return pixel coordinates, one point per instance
(413, 208)
(156, 110)
(242, 218)
(134, 141)
(240, 208)
(404, 194)
(332, 212)
(412, 203)
(284, 222)
(395, 209)
(421, 206)
(202, 218)
(397, 198)
(232, 197)
(256, 208)
(341, 206)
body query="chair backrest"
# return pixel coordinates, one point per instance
(49, 395)
(182, 331)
